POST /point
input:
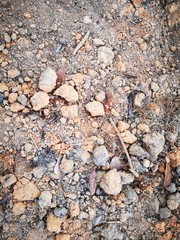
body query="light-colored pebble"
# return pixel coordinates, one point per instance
(67, 92)
(95, 108)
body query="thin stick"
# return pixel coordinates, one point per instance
(124, 148)
(81, 43)
(34, 141)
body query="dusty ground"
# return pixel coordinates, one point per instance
(63, 172)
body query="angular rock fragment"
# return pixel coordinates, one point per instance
(100, 156)
(138, 151)
(8, 180)
(70, 111)
(47, 80)
(54, 223)
(95, 108)
(105, 55)
(16, 107)
(45, 199)
(39, 100)
(67, 92)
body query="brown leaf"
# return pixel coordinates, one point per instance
(108, 97)
(92, 182)
(168, 175)
(61, 75)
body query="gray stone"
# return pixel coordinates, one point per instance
(8, 180)
(105, 55)
(173, 201)
(47, 80)
(28, 147)
(22, 31)
(101, 155)
(7, 38)
(154, 86)
(154, 144)
(138, 151)
(22, 99)
(117, 82)
(164, 213)
(38, 172)
(60, 212)
(95, 108)
(131, 195)
(126, 178)
(13, 73)
(171, 188)
(98, 42)
(45, 199)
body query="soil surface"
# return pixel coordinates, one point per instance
(76, 79)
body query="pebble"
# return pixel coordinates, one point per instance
(138, 100)
(87, 20)
(45, 199)
(128, 137)
(7, 38)
(111, 182)
(174, 158)
(164, 213)
(47, 80)
(143, 127)
(117, 82)
(8, 180)
(70, 111)
(154, 86)
(74, 209)
(27, 191)
(98, 42)
(126, 178)
(101, 156)
(12, 97)
(131, 195)
(173, 201)
(171, 188)
(13, 73)
(66, 165)
(122, 126)
(95, 108)
(28, 147)
(60, 212)
(78, 78)
(3, 87)
(16, 107)
(138, 151)
(146, 163)
(18, 208)
(38, 172)
(67, 92)
(22, 99)
(154, 143)
(100, 97)
(63, 237)
(39, 100)
(105, 55)
(54, 223)
(115, 163)
(13, 36)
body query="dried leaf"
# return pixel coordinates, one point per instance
(56, 168)
(108, 97)
(92, 182)
(168, 175)
(60, 76)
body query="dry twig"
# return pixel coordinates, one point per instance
(81, 43)
(124, 148)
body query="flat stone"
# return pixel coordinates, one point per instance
(164, 213)
(70, 111)
(126, 178)
(66, 165)
(117, 82)
(45, 199)
(39, 100)
(26, 191)
(143, 127)
(131, 195)
(154, 86)
(3, 87)
(138, 151)
(128, 137)
(138, 100)
(95, 108)
(105, 55)
(111, 182)
(98, 42)
(38, 172)
(173, 201)
(54, 223)
(122, 126)
(12, 97)
(67, 92)
(28, 147)
(16, 107)
(12, 73)
(22, 99)
(171, 188)
(174, 158)
(47, 80)
(100, 97)
(101, 156)
(154, 144)
(8, 180)
(74, 209)
(18, 208)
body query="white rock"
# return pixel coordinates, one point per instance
(122, 126)
(22, 99)
(138, 151)
(100, 156)
(39, 100)
(154, 144)
(98, 42)
(7, 38)
(16, 107)
(146, 163)
(12, 73)
(87, 20)
(70, 111)
(28, 147)
(47, 80)
(128, 137)
(117, 82)
(173, 201)
(100, 96)
(95, 108)
(138, 100)
(66, 165)
(111, 182)
(67, 92)
(8, 180)
(105, 55)
(126, 178)
(45, 199)
(154, 86)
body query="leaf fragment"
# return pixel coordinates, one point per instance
(92, 182)
(168, 175)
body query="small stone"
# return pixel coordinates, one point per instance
(95, 108)
(105, 55)
(7, 38)
(74, 209)
(154, 144)
(171, 188)
(22, 31)
(138, 151)
(138, 100)
(146, 163)
(25, 191)
(47, 80)
(8, 180)
(100, 96)
(16, 107)
(143, 46)
(98, 42)
(38, 172)
(117, 82)
(154, 86)
(126, 178)
(70, 111)
(131, 195)
(100, 156)
(45, 199)
(66, 165)
(128, 137)
(39, 100)
(174, 158)
(3, 87)
(67, 92)
(13, 36)
(60, 212)
(27, 79)
(164, 213)
(18, 208)
(13, 73)
(78, 78)
(27, 15)
(28, 147)
(173, 201)
(122, 126)
(54, 223)
(63, 237)
(143, 127)
(22, 99)
(115, 163)
(111, 182)
(2, 47)
(87, 20)
(12, 97)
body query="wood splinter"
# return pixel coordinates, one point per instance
(124, 148)
(81, 43)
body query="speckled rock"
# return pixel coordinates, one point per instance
(45, 199)
(100, 155)
(8, 180)
(69, 111)
(47, 80)
(39, 100)
(95, 108)
(105, 55)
